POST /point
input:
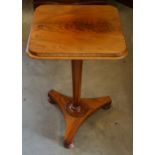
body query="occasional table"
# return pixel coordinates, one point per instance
(76, 33)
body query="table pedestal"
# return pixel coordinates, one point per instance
(75, 109)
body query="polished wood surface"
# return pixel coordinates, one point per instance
(73, 123)
(77, 75)
(76, 32)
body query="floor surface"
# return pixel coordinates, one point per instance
(104, 133)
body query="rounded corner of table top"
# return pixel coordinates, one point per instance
(41, 7)
(122, 54)
(31, 55)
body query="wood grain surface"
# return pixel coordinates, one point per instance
(76, 32)
(73, 122)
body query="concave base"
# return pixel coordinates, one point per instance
(74, 117)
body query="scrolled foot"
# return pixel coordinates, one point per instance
(68, 145)
(50, 100)
(107, 106)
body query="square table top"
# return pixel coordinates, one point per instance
(76, 32)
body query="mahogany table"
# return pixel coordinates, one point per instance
(76, 33)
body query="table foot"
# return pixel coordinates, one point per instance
(51, 100)
(75, 116)
(68, 145)
(107, 106)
